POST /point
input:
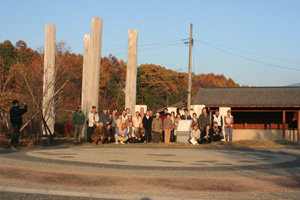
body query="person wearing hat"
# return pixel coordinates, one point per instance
(78, 120)
(157, 128)
(228, 119)
(93, 119)
(104, 117)
(16, 113)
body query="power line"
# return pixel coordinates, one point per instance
(248, 52)
(250, 59)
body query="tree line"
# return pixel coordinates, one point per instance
(21, 75)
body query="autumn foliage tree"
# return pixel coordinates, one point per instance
(156, 86)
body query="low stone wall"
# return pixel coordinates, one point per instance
(260, 134)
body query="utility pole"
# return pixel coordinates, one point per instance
(189, 91)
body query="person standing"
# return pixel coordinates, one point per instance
(136, 121)
(186, 115)
(104, 117)
(113, 126)
(168, 126)
(163, 117)
(228, 126)
(78, 120)
(217, 118)
(204, 119)
(176, 122)
(156, 128)
(128, 120)
(172, 138)
(147, 122)
(194, 120)
(16, 113)
(93, 119)
(124, 116)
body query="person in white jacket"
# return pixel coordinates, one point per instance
(93, 120)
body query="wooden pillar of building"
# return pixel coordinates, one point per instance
(298, 126)
(283, 124)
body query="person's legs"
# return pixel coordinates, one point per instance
(167, 135)
(112, 139)
(89, 134)
(76, 132)
(122, 139)
(226, 134)
(15, 135)
(148, 135)
(80, 136)
(230, 133)
(156, 137)
(116, 138)
(95, 139)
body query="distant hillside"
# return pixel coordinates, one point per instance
(295, 85)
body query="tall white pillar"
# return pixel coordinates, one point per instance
(49, 77)
(131, 72)
(85, 79)
(95, 62)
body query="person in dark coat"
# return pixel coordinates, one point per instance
(206, 135)
(141, 133)
(186, 115)
(204, 119)
(147, 122)
(108, 134)
(217, 131)
(16, 113)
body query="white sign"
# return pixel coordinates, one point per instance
(184, 126)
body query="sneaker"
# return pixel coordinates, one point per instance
(121, 142)
(145, 141)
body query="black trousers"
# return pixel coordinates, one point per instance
(148, 135)
(15, 134)
(89, 133)
(141, 139)
(216, 138)
(132, 140)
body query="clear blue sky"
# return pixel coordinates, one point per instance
(238, 32)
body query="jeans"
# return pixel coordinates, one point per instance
(228, 133)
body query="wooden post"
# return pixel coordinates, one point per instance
(283, 125)
(298, 127)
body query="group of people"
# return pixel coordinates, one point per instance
(145, 127)
(202, 132)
